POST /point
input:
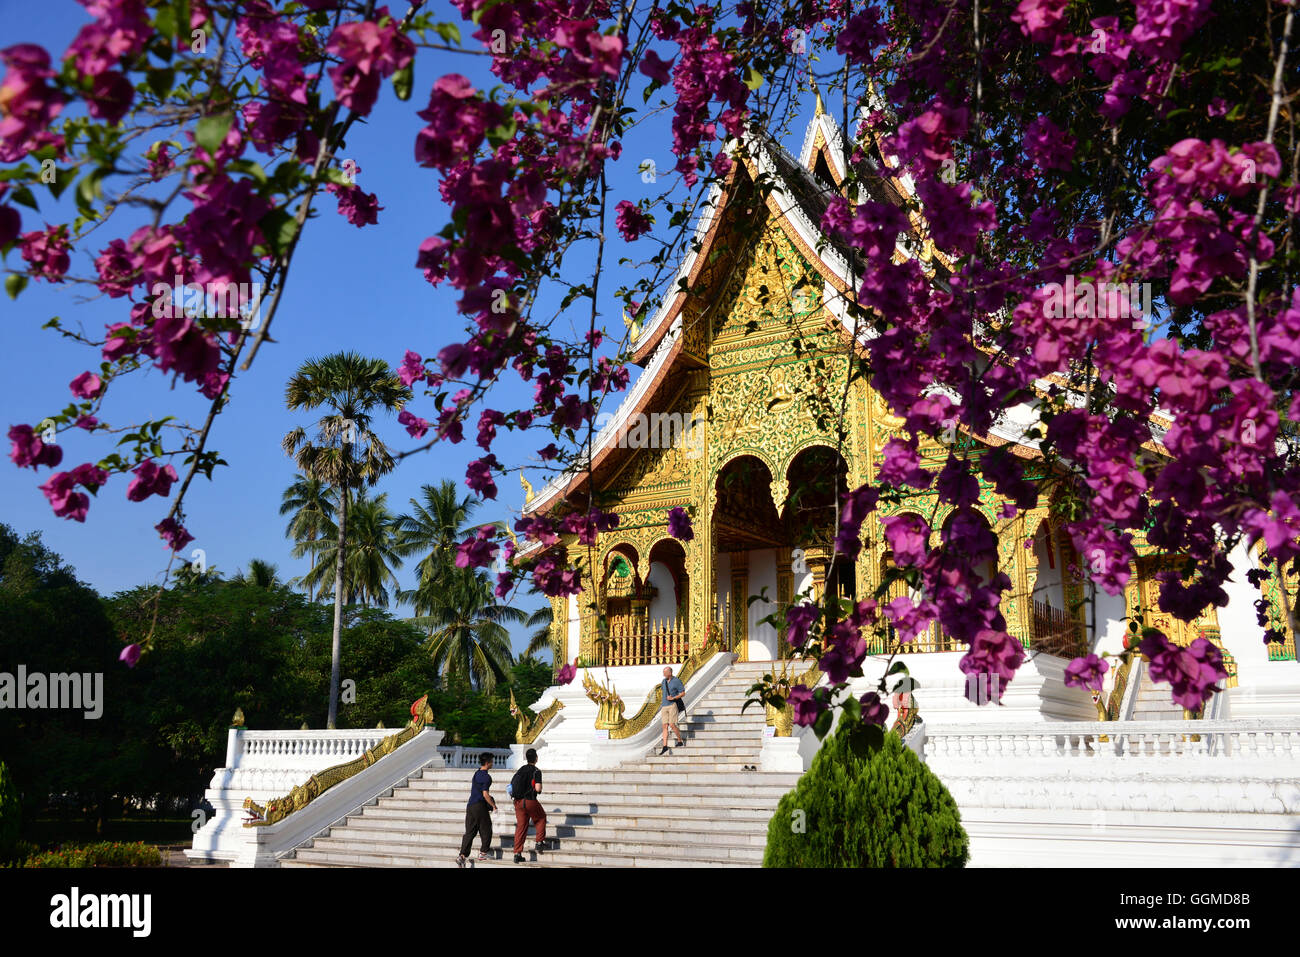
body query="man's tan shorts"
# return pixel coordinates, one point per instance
(668, 713)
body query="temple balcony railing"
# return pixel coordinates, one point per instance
(931, 641)
(654, 643)
(1282, 650)
(644, 641)
(1057, 632)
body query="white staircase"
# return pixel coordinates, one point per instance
(1154, 702)
(695, 806)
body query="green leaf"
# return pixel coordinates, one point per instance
(852, 708)
(278, 227)
(403, 80)
(182, 8)
(165, 22)
(87, 192)
(15, 284)
(823, 725)
(754, 80)
(24, 195)
(210, 131)
(160, 81)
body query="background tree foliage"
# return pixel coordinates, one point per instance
(250, 643)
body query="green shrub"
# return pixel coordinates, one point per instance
(11, 814)
(104, 854)
(885, 810)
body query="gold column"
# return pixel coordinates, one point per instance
(1023, 572)
(818, 558)
(740, 602)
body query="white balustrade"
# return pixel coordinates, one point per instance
(470, 757)
(264, 765)
(1260, 739)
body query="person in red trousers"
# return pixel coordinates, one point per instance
(524, 788)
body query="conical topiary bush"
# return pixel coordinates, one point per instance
(885, 810)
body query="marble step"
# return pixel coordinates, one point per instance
(310, 858)
(759, 790)
(729, 819)
(635, 847)
(378, 832)
(600, 803)
(620, 777)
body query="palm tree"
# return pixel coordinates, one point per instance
(345, 454)
(543, 637)
(310, 503)
(456, 606)
(434, 527)
(259, 573)
(371, 557)
(466, 626)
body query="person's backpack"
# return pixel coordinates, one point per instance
(521, 784)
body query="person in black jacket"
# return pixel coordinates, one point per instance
(478, 816)
(524, 788)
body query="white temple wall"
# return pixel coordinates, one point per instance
(575, 629)
(762, 574)
(1049, 587)
(1264, 688)
(1110, 624)
(663, 607)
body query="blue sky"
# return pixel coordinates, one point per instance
(349, 289)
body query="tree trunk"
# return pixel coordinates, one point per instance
(336, 651)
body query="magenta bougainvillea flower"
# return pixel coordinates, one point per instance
(411, 370)
(874, 711)
(1086, 672)
(87, 386)
(28, 450)
(370, 53)
(416, 427)
(679, 524)
(174, 534)
(1193, 672)
(799, 620)
(67, 502)
(807, 706)
(631, 221)
(150, 480)
(46, 252)
(479, 551)
(356, 205)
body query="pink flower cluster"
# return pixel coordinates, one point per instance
(370, 51)
(30, 104)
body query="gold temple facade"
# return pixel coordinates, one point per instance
(751, 416)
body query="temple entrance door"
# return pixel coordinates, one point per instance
(1181, 633)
